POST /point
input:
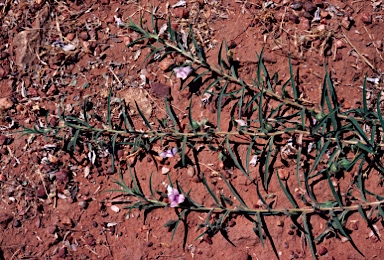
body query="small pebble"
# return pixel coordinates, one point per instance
(84, 35)
(51, 229)
(4, 55)
(115, 208)
(3, 72)
(66, 221)
(297, 5)
(52, 90)
(293, 18)
(181, 12)
(3, 139)
(120, 154)
(309, 6)
(366, 18)
(164, 170)
(308, 15)
(40, 192)
(91, 241)
(62, 252)
(149, 244)
(322, 251)
(83, 204)
(346, 23)
(17, 223)
(165, 64)
(62, 176)
(324, 14)
(38, 223)
(70, 36)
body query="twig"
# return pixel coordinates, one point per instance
(357, 51)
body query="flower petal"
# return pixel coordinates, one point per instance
(241, 122)
(174, 197)
(253, 161)
(180, 198)
(182, 72)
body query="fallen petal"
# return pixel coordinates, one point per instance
(241, 122)
(182, 72)
(253, 161)
(164, 170)
(68, 47)
(180, 3)
(118, 21)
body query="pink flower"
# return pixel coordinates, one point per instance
(170, 153)
(174, 196)
(118, 21)
(182, 72)
(241, 122)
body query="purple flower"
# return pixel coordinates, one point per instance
(182, 72)
(118, 21)
(170, 153)
(174, 196)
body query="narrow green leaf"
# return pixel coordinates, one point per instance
(241, 99)
(211, 192)
(338, 225)
(181, 216)
(250, 103)
(303, 117)
(319, 156)
(308, 235)
(109, 116)
(143, 116)
(235, 161)
(379, 114)
(365, 107)
(360, 130)
(188, 197)
(150, 186)
(234, 192)
(113, 153)
(286, 192)
(292, 79)
(190, 116)
(154, 27)
(369, 224)
(183, 146)
(125, 117)
(267, 159)
(260, 196)
(171, 32)
(334, 193)
(153, 53)
(260, 111)
(249, 151)
(308, 189)
(259, 228)
(219, 104)
(133, 43)
(171, 115)
(72, 143)
(381, 211)
(323, 122)
(298, 163)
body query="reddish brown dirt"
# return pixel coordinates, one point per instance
(76, 221)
